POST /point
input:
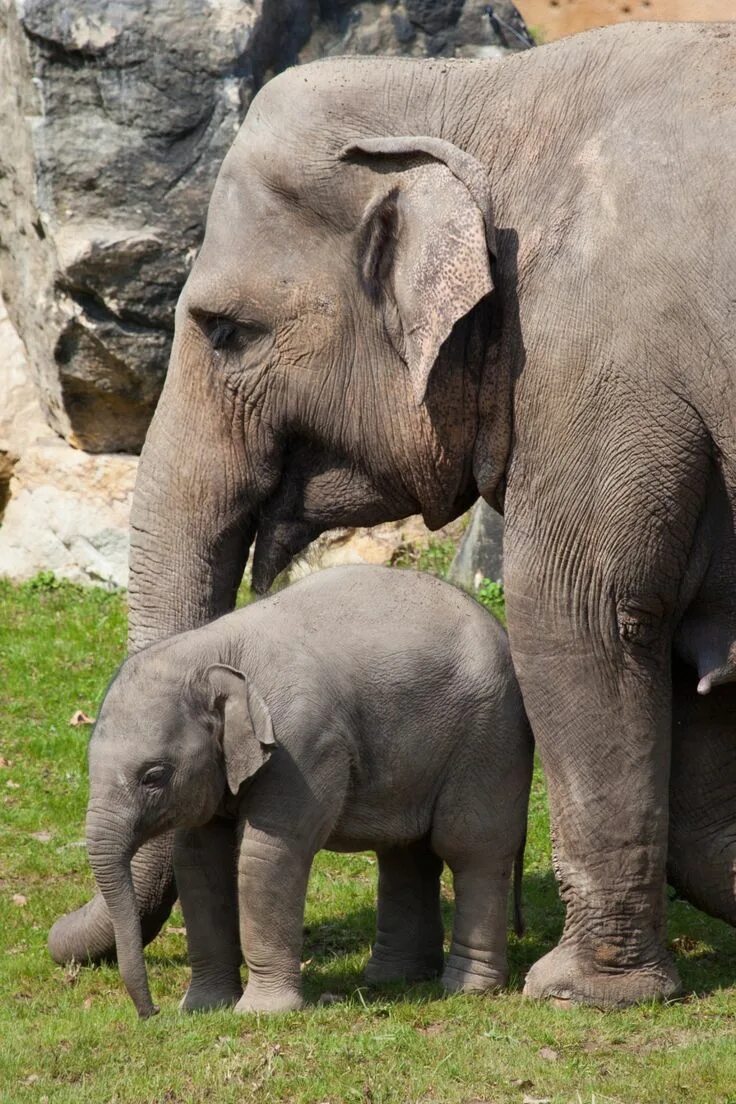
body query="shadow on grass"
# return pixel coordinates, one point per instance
(704, 948)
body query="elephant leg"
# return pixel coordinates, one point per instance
(86, 935)
(595, 675)
(477, 960)
(273, 873)
(409, 929)
(701, 862)
(205, 865)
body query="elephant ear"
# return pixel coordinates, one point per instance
(426, 243)
(247, 731)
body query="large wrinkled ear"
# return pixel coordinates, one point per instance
(247, 732)
(426, 241)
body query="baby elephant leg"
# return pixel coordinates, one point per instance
(477, 958)
(409, 931)
(272, 876)
(204, 864)
(286, 822)
(479, 827)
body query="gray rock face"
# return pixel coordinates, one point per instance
(114, 118)
(480, 555)
(112, 126)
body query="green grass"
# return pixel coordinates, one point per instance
(72, 1035)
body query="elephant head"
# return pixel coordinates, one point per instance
(328, 348)
(166, 748)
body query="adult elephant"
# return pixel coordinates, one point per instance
(424, 281)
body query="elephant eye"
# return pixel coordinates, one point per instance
(226, 335)
(156, 777)
(222, 333)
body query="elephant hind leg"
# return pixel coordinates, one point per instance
(409, 930)
(702, 835)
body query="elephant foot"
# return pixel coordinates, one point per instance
(569, 975)
(205, 998)
(468, 975)
(256, 999)
(382, 968)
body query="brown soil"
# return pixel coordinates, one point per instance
(555, 18)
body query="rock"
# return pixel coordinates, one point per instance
(113, 123)
(382, 544)
(21, 417)
(453, 28)
(114, 119)
(68, 513)
(480, 555)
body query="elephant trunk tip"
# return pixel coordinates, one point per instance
(146, 1009)
(85, 935)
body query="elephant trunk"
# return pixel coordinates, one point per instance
(192, 524)
(111, 847)
(87, 936)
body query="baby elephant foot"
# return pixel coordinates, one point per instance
(257, 999)
(201, 997)
(382, 968)
(572, 975)
(463, 974)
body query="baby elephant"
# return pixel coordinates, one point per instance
(362, 708)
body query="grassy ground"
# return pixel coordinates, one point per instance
(71, 1035)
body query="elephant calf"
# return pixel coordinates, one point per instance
(362, 708)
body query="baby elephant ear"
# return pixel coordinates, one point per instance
(426, 241)
(247, 731)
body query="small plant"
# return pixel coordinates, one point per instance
(434, 557)
(44, 581)
(490, 594)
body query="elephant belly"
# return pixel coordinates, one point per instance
(369, 828)
(706, 637)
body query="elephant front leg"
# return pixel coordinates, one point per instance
(409, 930)
(701, 862)
(205, 865)
(272, 876)
(595, 675)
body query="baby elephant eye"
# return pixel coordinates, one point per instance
(156, 777)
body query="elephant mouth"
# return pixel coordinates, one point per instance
(278, 541)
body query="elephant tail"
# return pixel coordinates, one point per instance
(519, 926)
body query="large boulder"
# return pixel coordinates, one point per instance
(68, 513)
(62, 510)
(114, 119)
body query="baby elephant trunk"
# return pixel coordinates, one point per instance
(111, 848)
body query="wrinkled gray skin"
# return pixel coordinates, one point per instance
(427, 280)
(361, 708)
